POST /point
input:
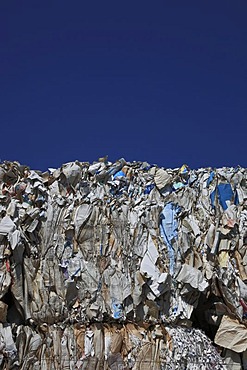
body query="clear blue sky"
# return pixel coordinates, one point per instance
(157, 81)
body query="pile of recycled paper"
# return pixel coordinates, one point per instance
(123, 265)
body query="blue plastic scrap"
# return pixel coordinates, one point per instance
(169, 230)
(225, 193)
(210, 179)
(236, 198)
(148, 188)
(119, 174)
(117, 310)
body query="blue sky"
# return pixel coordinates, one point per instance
(163, 82)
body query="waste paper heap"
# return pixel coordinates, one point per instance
(123, 265)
